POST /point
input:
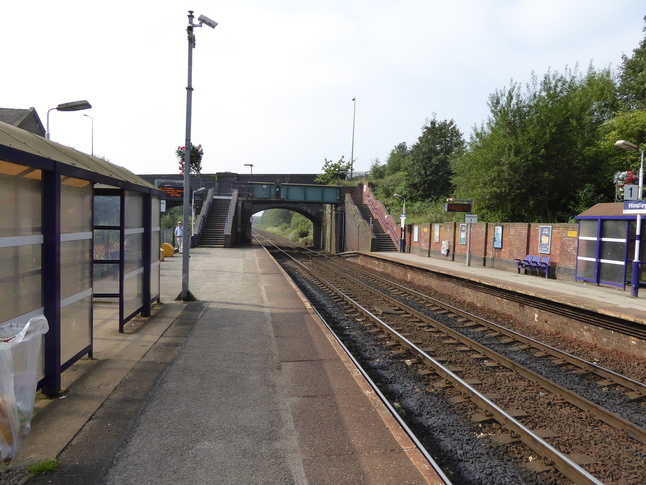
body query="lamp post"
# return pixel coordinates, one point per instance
(636, 273)
(88, 116)
(402, 240)
(250, 165)
(354, 112)
(186, 295)
(71, 106)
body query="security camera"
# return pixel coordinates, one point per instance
(203, 19)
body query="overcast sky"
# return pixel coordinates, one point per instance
(274, 82)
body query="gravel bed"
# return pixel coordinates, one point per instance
(463, 450)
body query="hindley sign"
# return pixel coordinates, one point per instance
(635, 207)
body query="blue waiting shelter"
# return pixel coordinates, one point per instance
(606, 246)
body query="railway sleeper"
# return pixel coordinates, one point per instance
(537, 466)
(635, 396)
(399, 352)
(545, 433)
(451, 341)
(505, 439)
(581, 459)
(508, 340)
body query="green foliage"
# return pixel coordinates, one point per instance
(627, 125)
(300, 228)
(43, 467)
(428, 172)
(197, 152)
(333, 172)
(169, 218)
(287, 224)
(398, 159)
(632, 86)
(545, 154)
(377, 170)
(534, 153)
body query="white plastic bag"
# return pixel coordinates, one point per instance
(19, 356)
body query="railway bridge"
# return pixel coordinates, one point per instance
(224, 204)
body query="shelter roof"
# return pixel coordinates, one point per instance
(28, 142)
(605, 209)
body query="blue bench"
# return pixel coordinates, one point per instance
(539, 263)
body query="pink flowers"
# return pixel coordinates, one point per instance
(197, 152)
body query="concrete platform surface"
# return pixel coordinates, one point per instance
(242, 386)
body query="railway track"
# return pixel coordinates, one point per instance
(529, 412)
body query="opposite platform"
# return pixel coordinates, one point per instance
(243, 386)
(603, 299)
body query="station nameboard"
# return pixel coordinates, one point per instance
(457, 205)
(635, 207)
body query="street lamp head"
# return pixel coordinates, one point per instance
(248, 164)
(74, 106)
(626, 145)
(399, 196)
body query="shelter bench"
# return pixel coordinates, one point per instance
(539, 263)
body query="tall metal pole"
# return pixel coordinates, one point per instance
(92, 119)
(186, 295)
(354, 112)
(637, 268)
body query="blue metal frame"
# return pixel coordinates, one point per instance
(52, 171)
(599, 239)
(51, 382)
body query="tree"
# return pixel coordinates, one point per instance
(632, 74)
(536, 153)
(377, 170)
(333, 172)
(627, 125)
(398, 159)
(428, 172)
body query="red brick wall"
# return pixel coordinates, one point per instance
(518, 240)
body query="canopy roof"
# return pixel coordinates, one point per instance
(15, 142)
(605, 209)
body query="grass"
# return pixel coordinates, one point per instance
(44, 467)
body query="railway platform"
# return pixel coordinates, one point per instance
(602, 299)
(243, 385)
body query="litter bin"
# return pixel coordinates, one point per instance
(19, 357)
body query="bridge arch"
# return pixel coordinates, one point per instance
(313, 212)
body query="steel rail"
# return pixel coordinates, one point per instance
(588, 366)
(376, 389)
(564, 464)
(604, 415)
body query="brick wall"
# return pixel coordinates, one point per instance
(518, 240)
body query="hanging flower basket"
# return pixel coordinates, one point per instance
(196, 159)
(624, 178)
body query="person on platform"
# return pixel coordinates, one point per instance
(179, 236)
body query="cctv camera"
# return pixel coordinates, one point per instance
(203, 19)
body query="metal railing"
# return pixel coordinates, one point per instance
(386, 222)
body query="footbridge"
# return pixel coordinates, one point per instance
(344, 218)
(224, 204)
(315, 202)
